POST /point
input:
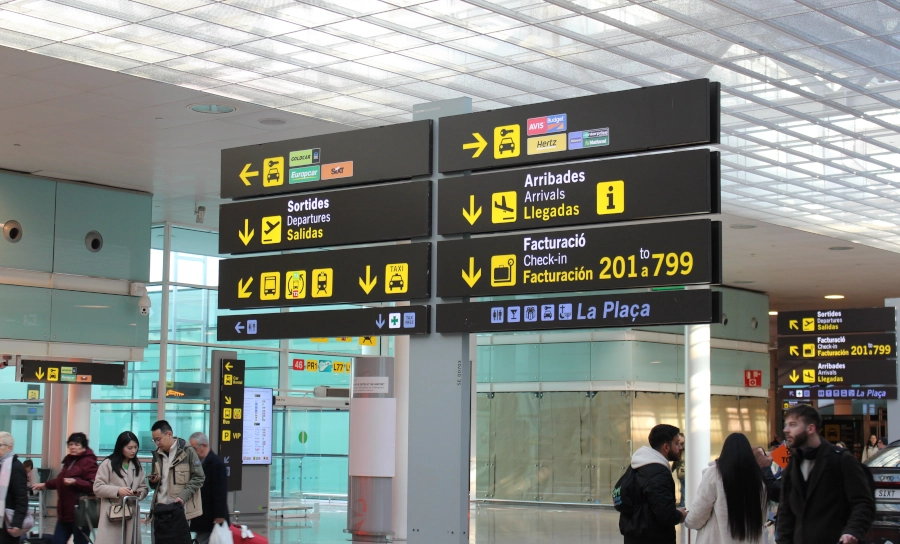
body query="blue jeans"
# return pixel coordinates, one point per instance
(681, 504)
(65, 529)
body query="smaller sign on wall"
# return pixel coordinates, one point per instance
(753, 378)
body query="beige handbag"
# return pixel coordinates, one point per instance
(119, 512)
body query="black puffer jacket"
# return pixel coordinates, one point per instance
(659, 515)
(17, 493)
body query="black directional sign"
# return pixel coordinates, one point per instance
(667, 184)
(850, 372)
(388, 321)
(376, 213)
(838, 346)
(331, 160)
(367, 274)
(837, 321)
(77, 373)
(838, 392)
(591, 312)
(231, 420)
(590, 259)
(664, 116)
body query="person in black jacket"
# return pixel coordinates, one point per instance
(825, 493)
(214, 493)
(655, 514)
(16, 491)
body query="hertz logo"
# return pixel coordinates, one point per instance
(173, 393)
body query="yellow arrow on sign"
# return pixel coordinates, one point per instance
(246, 173)
(247, 234)
(794, 351)
(473, 215)
(227, 400)
(228, 366)
(40, 373)
(794, 376)
(792, 325)
(242, 288)
(369, 282)
(472, 277)
(478, 145)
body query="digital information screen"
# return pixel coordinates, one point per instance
(257, 426)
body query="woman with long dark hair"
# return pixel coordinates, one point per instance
(731, 501)
(120, 475)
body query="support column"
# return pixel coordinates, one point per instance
(164, 322)
(696, 406)
(401, 471)
(57, 421)
(78, 410)
(893, 406)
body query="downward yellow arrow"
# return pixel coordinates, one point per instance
(40, 373)
(473, 215)
(246, 173)
(472, 277)
(794, 376)
(247, 234)
(792, 325)
(242, 288)
(369, 282)
(795, 351)
(477, 145)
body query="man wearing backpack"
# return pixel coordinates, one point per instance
(827, 495)
(650, 516)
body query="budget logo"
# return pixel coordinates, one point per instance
(304, 157)
(303, 175)
(547, 125)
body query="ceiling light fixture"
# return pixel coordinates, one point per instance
(840, 248)
(740, 226)
(773, 312)
(834, 297)
(271, 121)
(214, 109)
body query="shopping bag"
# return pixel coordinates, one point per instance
(221, 534)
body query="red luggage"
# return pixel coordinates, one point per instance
(239, 539)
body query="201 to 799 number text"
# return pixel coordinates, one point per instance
(619, 267)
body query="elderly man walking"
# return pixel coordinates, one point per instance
(214, 493)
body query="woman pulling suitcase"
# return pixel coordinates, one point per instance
(119, 478)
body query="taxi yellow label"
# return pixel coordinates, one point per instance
(271, 229)
(295, 285)
(503, 270)
(546, 144)
(610, 197)
(323, 281)
(503, 207)
(271, 286)
(273, 172)
(397, 275)
(507, 141)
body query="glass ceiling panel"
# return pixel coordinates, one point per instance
(810, 101)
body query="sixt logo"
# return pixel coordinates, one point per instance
(547, 125)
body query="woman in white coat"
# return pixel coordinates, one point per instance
(120, 475)
(730, 506)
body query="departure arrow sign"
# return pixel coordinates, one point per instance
(792, 324)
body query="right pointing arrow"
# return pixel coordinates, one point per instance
(472, 277)
(478, 145)
(794, 376)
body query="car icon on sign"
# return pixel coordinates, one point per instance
(273, 175)
(396, 282)
(507, 144)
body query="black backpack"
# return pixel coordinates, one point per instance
(635, 515)
(624, 491)
(835, 461)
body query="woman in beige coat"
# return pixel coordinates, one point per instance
(119, 476)
(730, 505)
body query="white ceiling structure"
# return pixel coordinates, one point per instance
(810, 123)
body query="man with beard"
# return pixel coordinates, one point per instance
(655, 515)
(825, 496)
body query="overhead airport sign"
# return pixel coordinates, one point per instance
(578, 312)
(355, 157)
(838, 346)
(660, 117)
(367, 274)
(72, 373)
(667, 184)
(854, 372)
(590, 259)
(376, 213)
(837, 321)
(362, 322)
(839, 392)
(231, 420)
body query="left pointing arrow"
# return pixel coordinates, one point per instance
(247, 233)
(228, 366)
(239, 328)
(246, 173)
